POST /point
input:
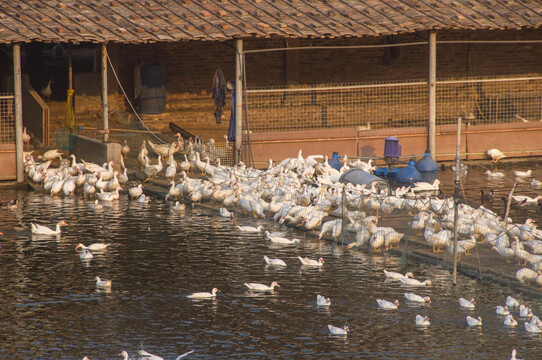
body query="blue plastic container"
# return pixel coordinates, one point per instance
(408, 174)
(391, 147)
(334, 161)
(426, 163)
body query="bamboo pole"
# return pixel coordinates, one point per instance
(238, 99)
(456, 198)
(431, 127)
(105, 107)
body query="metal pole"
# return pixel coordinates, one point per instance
(238, 98)
(105, 109)
(432, 92)
(456, 198)
(18, 93)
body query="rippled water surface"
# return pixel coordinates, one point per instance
(50, 308)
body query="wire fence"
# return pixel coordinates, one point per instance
(393, 104)
(7, 119)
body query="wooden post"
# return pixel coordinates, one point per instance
(456, 198)
(432, 92)
(105, 109)
(238, 98)
(18, 94)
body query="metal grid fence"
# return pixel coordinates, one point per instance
(7, 119)
(385, 105)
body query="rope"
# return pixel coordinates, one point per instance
(129, 102)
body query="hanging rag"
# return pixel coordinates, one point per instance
(231, 128)
(219, 94)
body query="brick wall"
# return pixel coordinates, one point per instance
(190, 66)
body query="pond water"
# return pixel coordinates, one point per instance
(50, 308)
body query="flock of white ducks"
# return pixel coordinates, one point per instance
(304, 193)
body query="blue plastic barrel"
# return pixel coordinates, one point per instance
(408, 174)
(426, 163)
(152, 98)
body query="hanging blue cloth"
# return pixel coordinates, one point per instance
(231, 128)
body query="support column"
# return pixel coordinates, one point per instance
(105, 107)
(18, 93)
(238, 98)
(432, 92)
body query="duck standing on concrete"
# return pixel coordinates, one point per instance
(46, 91)
(495, 155)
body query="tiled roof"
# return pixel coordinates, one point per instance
(140, 21)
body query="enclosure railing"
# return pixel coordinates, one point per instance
(394, 104)
(7, 119)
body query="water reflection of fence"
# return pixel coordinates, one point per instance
(385, 105)
(7, 119)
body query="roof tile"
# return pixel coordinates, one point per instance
(140, 21)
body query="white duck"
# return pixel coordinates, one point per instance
(274, 262)
(44, 230)
(251, 229)
(532, 328)
(125, 148)
(523, 174)
(424, 186)
(152, 170)
(102, 284)
(109, 196)
(311, 262)
(396, 276)
(136, 191)
(502, 310)
(388, 305)
(173, 191)
(422, 320)
(92, 247)
(322, 301)
(145, 355)
(524, 311)
(203, 295)
(512, 302)
(280, 239)
(417, 298)
(536, 184)
(474, 322)
(510, 321)
(88, 189)
(494, 174)
(144, 199)
(468, 304)
(334, 330)
(51, 154)
(525, 275)
(414, 282)
(495, 154)
(261, 287)
(225, 213)
(86, 255)
(26, 137)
